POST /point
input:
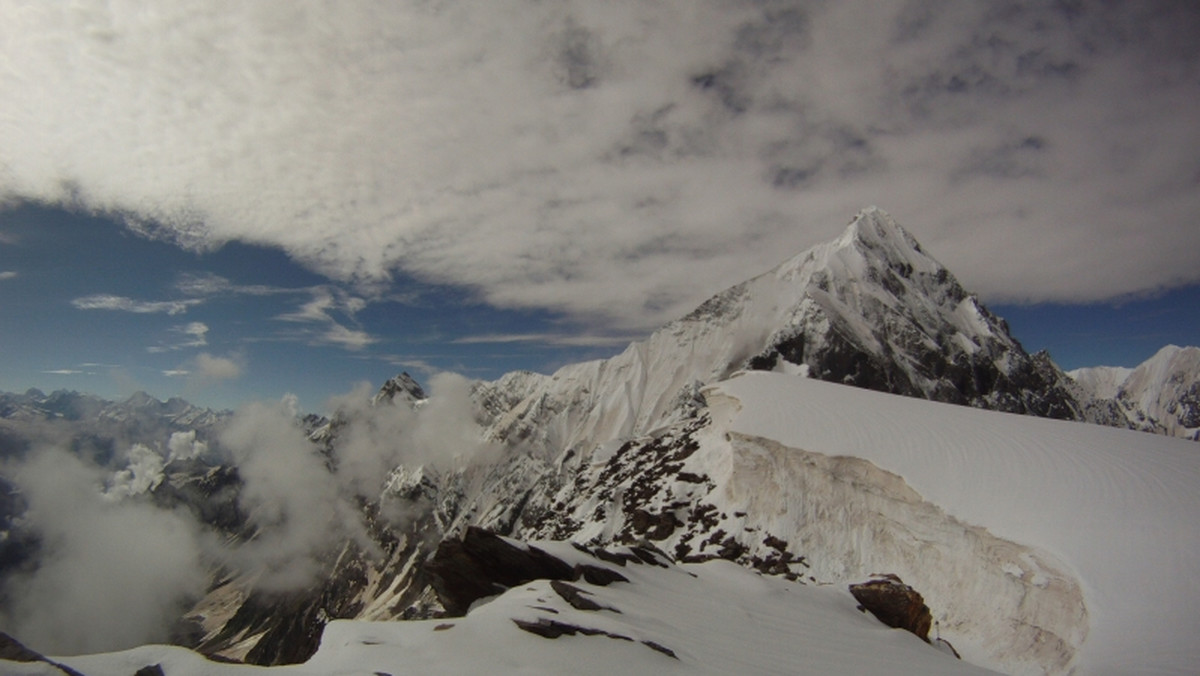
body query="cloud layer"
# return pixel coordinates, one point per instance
(620, 161)
(106, 543)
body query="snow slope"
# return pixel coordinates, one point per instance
(1116, 507)
(716, 617)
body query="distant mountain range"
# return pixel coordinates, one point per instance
(1160, 395)
(635, 451)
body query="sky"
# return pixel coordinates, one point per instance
(233, 201)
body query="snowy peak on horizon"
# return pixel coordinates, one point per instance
(873, 309)
(1160, 395)
(403, 387)
(870, 308)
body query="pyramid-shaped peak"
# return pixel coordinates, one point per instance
(403, 386)
(873, 227)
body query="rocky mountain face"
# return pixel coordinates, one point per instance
(1160, 395)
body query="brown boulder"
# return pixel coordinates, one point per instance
(895, 604)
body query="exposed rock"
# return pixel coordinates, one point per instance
(484, 564)
(13, 650)
(577, 597)
(660, 648)
(400, 388)
(894, 604)
(150, 670)
(599, 575)
(553, 629)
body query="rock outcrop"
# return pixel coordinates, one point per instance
(894, 604)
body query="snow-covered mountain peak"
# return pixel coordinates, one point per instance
(1161, 395)
(403, 387)
(1102, 381)
(869, 308)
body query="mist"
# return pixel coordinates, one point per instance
(116, 568)
(112, 573)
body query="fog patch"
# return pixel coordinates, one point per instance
(439, 434)
(113, 574)
(288, 493)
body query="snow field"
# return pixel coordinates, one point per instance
(1114, 508)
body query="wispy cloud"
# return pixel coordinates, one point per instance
(205, 369)
(351, 339)
(63, 372)
(7, 274)
(621, 163)
(211, 368)
(419, 365)
(558, 339)
(195, 335)
(324, 308)
(125, 304)
(204, 284)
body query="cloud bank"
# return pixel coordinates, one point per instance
(107, 541)
(100, 555)
(617, 162)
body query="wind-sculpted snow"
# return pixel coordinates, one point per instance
(710, 618)
(702, 491)
(1115, 509)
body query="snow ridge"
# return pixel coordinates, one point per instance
(1160, 395)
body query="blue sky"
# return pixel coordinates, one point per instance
(304, 195)
(90, 306)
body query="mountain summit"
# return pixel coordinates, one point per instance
(870, 309)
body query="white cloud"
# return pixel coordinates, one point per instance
(174, 373)
(103, 301)
(289, 494)
(351, 339)
(99, 555)
(63, 372)
(620, 161)
(196, 335)
(563, 339)
(209, 368)
(7, 274)
(324, 306)
(210, 284)
(183, 446)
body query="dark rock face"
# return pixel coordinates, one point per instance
(547, 628)
(483, 564)
(578, 598)
(402, 387)
(895, 604)
(12, 650)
